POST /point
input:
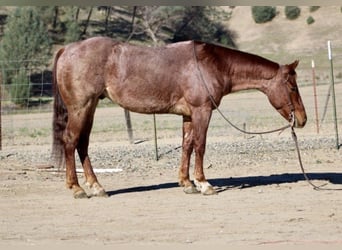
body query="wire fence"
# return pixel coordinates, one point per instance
(17, 76)
(30, 122)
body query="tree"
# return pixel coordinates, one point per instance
(150, 21)
(106, 11)
(25, 44)
(203, 23)
(163, 24)
(292, 12)
(263, 14)
(73, 29)
(310, 20)
(73, 32)
(21, 88)
(86, 25)
(49, 15)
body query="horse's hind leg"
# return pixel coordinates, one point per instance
(77, 136)
(82, 148)
(71, 137)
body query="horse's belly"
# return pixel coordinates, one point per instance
(149, 101)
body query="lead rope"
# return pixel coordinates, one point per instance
(315, 187)
(290, 125)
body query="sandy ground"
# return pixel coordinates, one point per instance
(263, 199)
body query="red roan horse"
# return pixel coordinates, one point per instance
(177, 78)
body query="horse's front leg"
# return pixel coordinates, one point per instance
(187, 148)
(201, 120)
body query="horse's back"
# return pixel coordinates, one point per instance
(151, 80)
(140, 78)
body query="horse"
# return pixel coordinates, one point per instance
(187, 78)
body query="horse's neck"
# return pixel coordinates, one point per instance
(254, 76)
(240, 70)
(239, 83)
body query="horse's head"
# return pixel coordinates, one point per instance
(284, 95)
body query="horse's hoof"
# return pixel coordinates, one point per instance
(101, 193)
(80, 194)
(97, 190)
(209, 191)
(190, 190)
(205, 188)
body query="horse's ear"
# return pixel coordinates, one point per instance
(293, 65)
(290, 68)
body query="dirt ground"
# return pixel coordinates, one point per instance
(263, 200)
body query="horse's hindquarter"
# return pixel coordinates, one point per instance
(80, 70)
(151, 80)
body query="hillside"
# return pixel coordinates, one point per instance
(284, 39)
(281, 39)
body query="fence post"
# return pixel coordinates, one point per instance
(0, 114)
(155, 137)
(315, 93)
(333, 93)
(129, 125)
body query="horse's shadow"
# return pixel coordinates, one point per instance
(224, 184)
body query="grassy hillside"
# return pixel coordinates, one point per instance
(281, 39)
(285, 40)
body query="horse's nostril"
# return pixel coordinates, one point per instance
(301, 123)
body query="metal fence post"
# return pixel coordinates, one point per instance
(0, 115)
(129, 125)
(333, 93)
(315, 94)
(155, 137)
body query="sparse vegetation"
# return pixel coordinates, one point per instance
(310, 20)
(23, 42)
(292, 12)
(313, 8)
(263, 14)
(20, 90)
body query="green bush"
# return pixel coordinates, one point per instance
(310, 20)
(24, 43)
(313, 8)
(73, 32)
(20, 88)
(263, 14)
(292, 12)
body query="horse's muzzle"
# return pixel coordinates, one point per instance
(300, 121)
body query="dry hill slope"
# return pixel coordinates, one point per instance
(288, 37)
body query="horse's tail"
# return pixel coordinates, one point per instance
(60, 118)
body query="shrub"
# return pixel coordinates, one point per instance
(263, 14)
(20, 88)
(73, 32)
(24, 41)
(310, 20)
(292, 12)
(314, 8)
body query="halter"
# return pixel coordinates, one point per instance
(292, 119)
